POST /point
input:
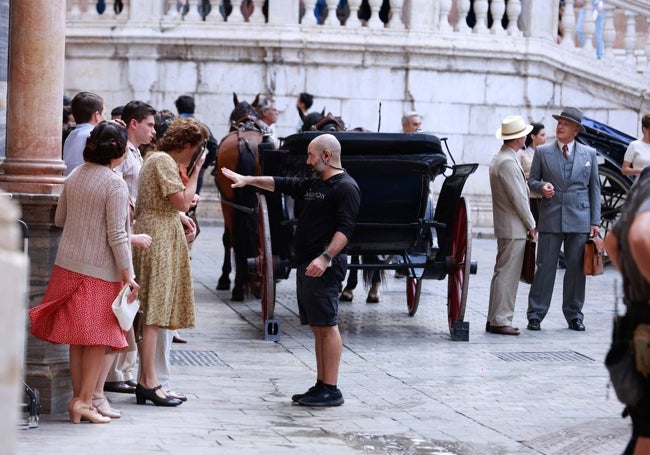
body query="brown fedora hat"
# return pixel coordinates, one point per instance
(513, 127)
(572, 114)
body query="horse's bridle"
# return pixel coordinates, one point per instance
(248, 122)
(329, 118)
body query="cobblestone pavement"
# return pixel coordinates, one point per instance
(408, 388)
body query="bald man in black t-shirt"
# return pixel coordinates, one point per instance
(330, 207)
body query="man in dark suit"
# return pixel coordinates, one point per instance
(566, 174)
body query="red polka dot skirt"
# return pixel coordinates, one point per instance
(76, 309)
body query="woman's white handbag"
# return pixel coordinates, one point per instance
(125, 312)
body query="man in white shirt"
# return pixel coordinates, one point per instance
(88, 110)
(139, 119)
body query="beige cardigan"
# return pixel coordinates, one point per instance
(93, 211)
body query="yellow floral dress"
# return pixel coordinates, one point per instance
(162, 270)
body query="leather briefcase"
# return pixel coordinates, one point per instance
(594, 260)
(528, 267)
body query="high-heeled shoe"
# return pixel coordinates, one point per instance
(104, 408)
(87, 412)
(71, 403)
(143, 394)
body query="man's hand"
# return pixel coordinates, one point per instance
(594, 231)
(317, 267)
(532, 234)
(141, 240)
(238, 179)
(547, 190)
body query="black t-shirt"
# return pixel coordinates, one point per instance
(328, 206)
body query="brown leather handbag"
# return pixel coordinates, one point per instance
(594, 260)
(528, 267)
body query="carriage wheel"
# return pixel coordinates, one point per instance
(413, 288)
(459, 263)
(265, 260)
(613, 193)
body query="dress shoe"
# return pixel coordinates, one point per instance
(81, 410)
(504, 330)
(131, 382)
(534, 324)
(577, 325)
(143, 394)
(105, 409)
(177, 339)
(118, 387)
(487, 326)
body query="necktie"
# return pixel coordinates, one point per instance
(565, 151)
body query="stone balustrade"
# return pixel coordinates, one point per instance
(625, 30)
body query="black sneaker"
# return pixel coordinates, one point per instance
(325, 397)
(312, 390)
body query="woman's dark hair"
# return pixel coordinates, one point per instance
(183, 131)
(107, 141)
(163, 119)
(537, 127)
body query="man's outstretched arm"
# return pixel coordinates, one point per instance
(239, 181)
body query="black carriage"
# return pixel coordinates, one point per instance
(611, 145)
(397, 217)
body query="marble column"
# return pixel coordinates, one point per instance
(32, 170)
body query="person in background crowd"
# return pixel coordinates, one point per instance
(303, 104)
(331, 202)
(598, 14)
(513, 222)
(569, 214)
(68, 124)
(185, 105)
(411, 122)
(116, 113)
(93, 263)
(628, 248)
(637, 155)
(88, 110)
(167, 294)
(536, 137)
(268, 113)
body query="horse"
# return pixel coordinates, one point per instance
(238, 151)
(318, 121)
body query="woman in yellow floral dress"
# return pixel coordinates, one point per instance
(165, 193)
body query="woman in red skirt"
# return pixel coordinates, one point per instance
(92, 264)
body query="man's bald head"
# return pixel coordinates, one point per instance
(328, 142)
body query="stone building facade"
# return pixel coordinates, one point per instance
(462, 79)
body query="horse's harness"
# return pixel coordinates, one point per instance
(329, 118)
(247, 122)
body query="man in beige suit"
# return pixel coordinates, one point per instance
(513, 222)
